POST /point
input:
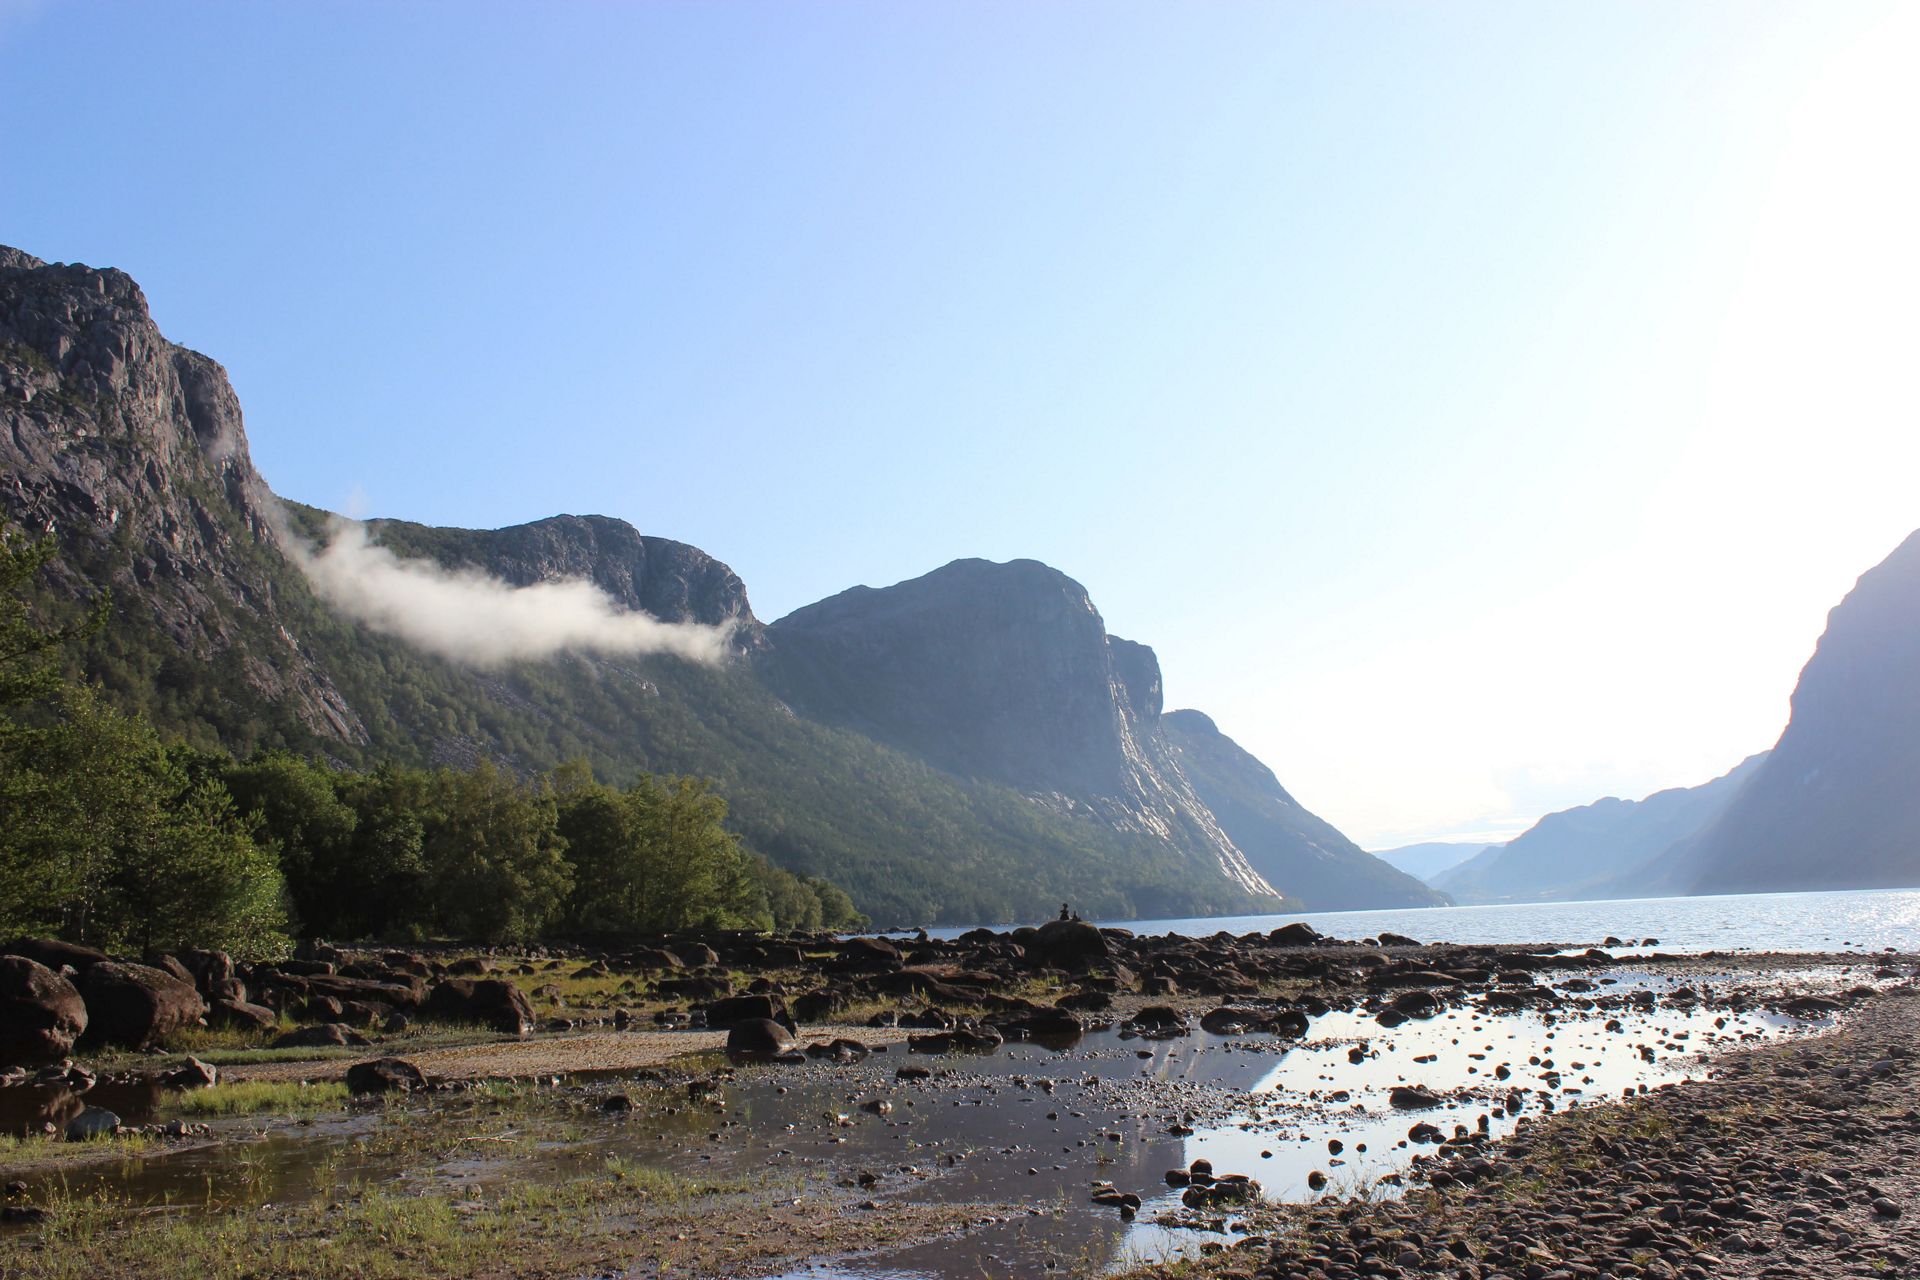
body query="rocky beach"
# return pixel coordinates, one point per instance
(1060, 1100)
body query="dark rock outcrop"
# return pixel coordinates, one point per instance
(41, 1015)
(488, 1002)
(135, 1006)
(760, 1037)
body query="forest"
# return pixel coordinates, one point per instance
(121, 838)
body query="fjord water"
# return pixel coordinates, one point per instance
(1860, 919)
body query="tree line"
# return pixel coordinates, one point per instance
(113, 836)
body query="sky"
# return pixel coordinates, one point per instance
(1477, 406)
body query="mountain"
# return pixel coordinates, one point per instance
(1837, 804)
(1611, 848)
(971, 748)
(1281, 839)
(1003, 672)
(1429, 858)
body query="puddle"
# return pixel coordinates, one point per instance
(1025, 1126)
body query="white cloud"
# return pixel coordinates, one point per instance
(472, 617)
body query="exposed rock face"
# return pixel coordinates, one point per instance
(1837, 803)
(136, 1006)
(1611, 848)
(41, 1015)
(133, 452)
(1003, 672)
(1285, 843)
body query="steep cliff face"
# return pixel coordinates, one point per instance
(1286, 843)
(131, 451)
(1003, 672)
(1611, 848)
(1837, 805)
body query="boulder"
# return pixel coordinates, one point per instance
(1412, 1097)
(1229, 1021)
(759, 1037)
(94, 1122)
(723, 1015)
(192, 1074)
(1158, 1018)
(713, 988)
(838, 1049)
(869, 955)
(169, 965)
(324, 1036)
(134, 1006)
(384, 1075)
(55, 954)
(1070, 944)
(41, 1014)
(695, 955)
(818, 1006)
(1295, 935)
(490, 1002)
(238, 1013)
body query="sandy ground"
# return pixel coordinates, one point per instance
(547, 1055)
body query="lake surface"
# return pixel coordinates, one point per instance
(1859, 920)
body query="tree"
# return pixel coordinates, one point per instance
(656, 857)
(494, 854)
(115, 844)
(26, 646)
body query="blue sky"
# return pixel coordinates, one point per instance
(1478, 406)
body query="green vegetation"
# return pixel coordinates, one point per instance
(808, 802)
(111, 837)
(252, 1097)
(123, 841)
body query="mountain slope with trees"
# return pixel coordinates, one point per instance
(131, 453)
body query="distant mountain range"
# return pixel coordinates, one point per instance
(970, 746)
(1430, 857)
(1835, 804)
(1611, 848)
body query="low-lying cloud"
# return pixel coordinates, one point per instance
(473, 617)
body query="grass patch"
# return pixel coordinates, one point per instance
(251, 1097)
(626, 1212)
(24, 1154)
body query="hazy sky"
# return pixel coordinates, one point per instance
(1478, 406)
